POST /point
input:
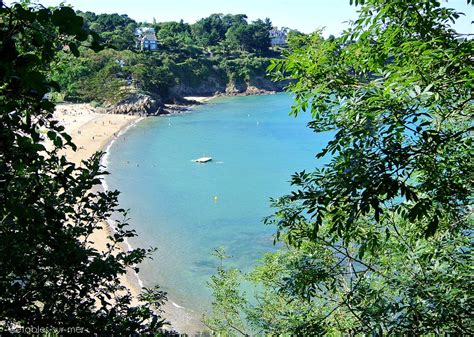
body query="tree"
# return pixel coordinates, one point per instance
(379, 241)
(260, 32)
(173, 33)
(50, 276)
(209, 31)
(238, 36)
(252, 37)
(212, 30)
(115, 30)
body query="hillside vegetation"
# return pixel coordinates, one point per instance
(220, 53)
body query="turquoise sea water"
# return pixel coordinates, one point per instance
(187, 209)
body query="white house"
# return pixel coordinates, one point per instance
(146, 38)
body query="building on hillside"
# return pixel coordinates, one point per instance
(146, 38)
(278, 36)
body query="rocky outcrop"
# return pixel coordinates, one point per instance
(137, 104)
(236, 87)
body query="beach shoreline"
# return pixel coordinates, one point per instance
(92, 131)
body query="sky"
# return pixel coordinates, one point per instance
(303, 15)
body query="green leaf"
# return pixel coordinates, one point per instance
(432, 227)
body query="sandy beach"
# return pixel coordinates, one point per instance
(91, 132)
(200, 99)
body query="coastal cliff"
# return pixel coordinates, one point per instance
(223, 86)
(143, 104)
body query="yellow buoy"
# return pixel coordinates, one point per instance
(215, 198)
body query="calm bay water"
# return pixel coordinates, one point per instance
(187, 209)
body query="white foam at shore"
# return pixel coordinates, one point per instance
(105, 162)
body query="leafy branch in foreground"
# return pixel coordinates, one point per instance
(51, 277)
(379, 240)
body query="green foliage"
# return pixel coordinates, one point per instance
(245, 67)
(117, 31)
(174, 34)
(233, 31)
(228, 303)
(50, 275)
(93, 76)
(188, 56)
(261, 308)
(379, 241)
(250, 37)
(212, 30)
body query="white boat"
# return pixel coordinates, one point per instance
(202, 160)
